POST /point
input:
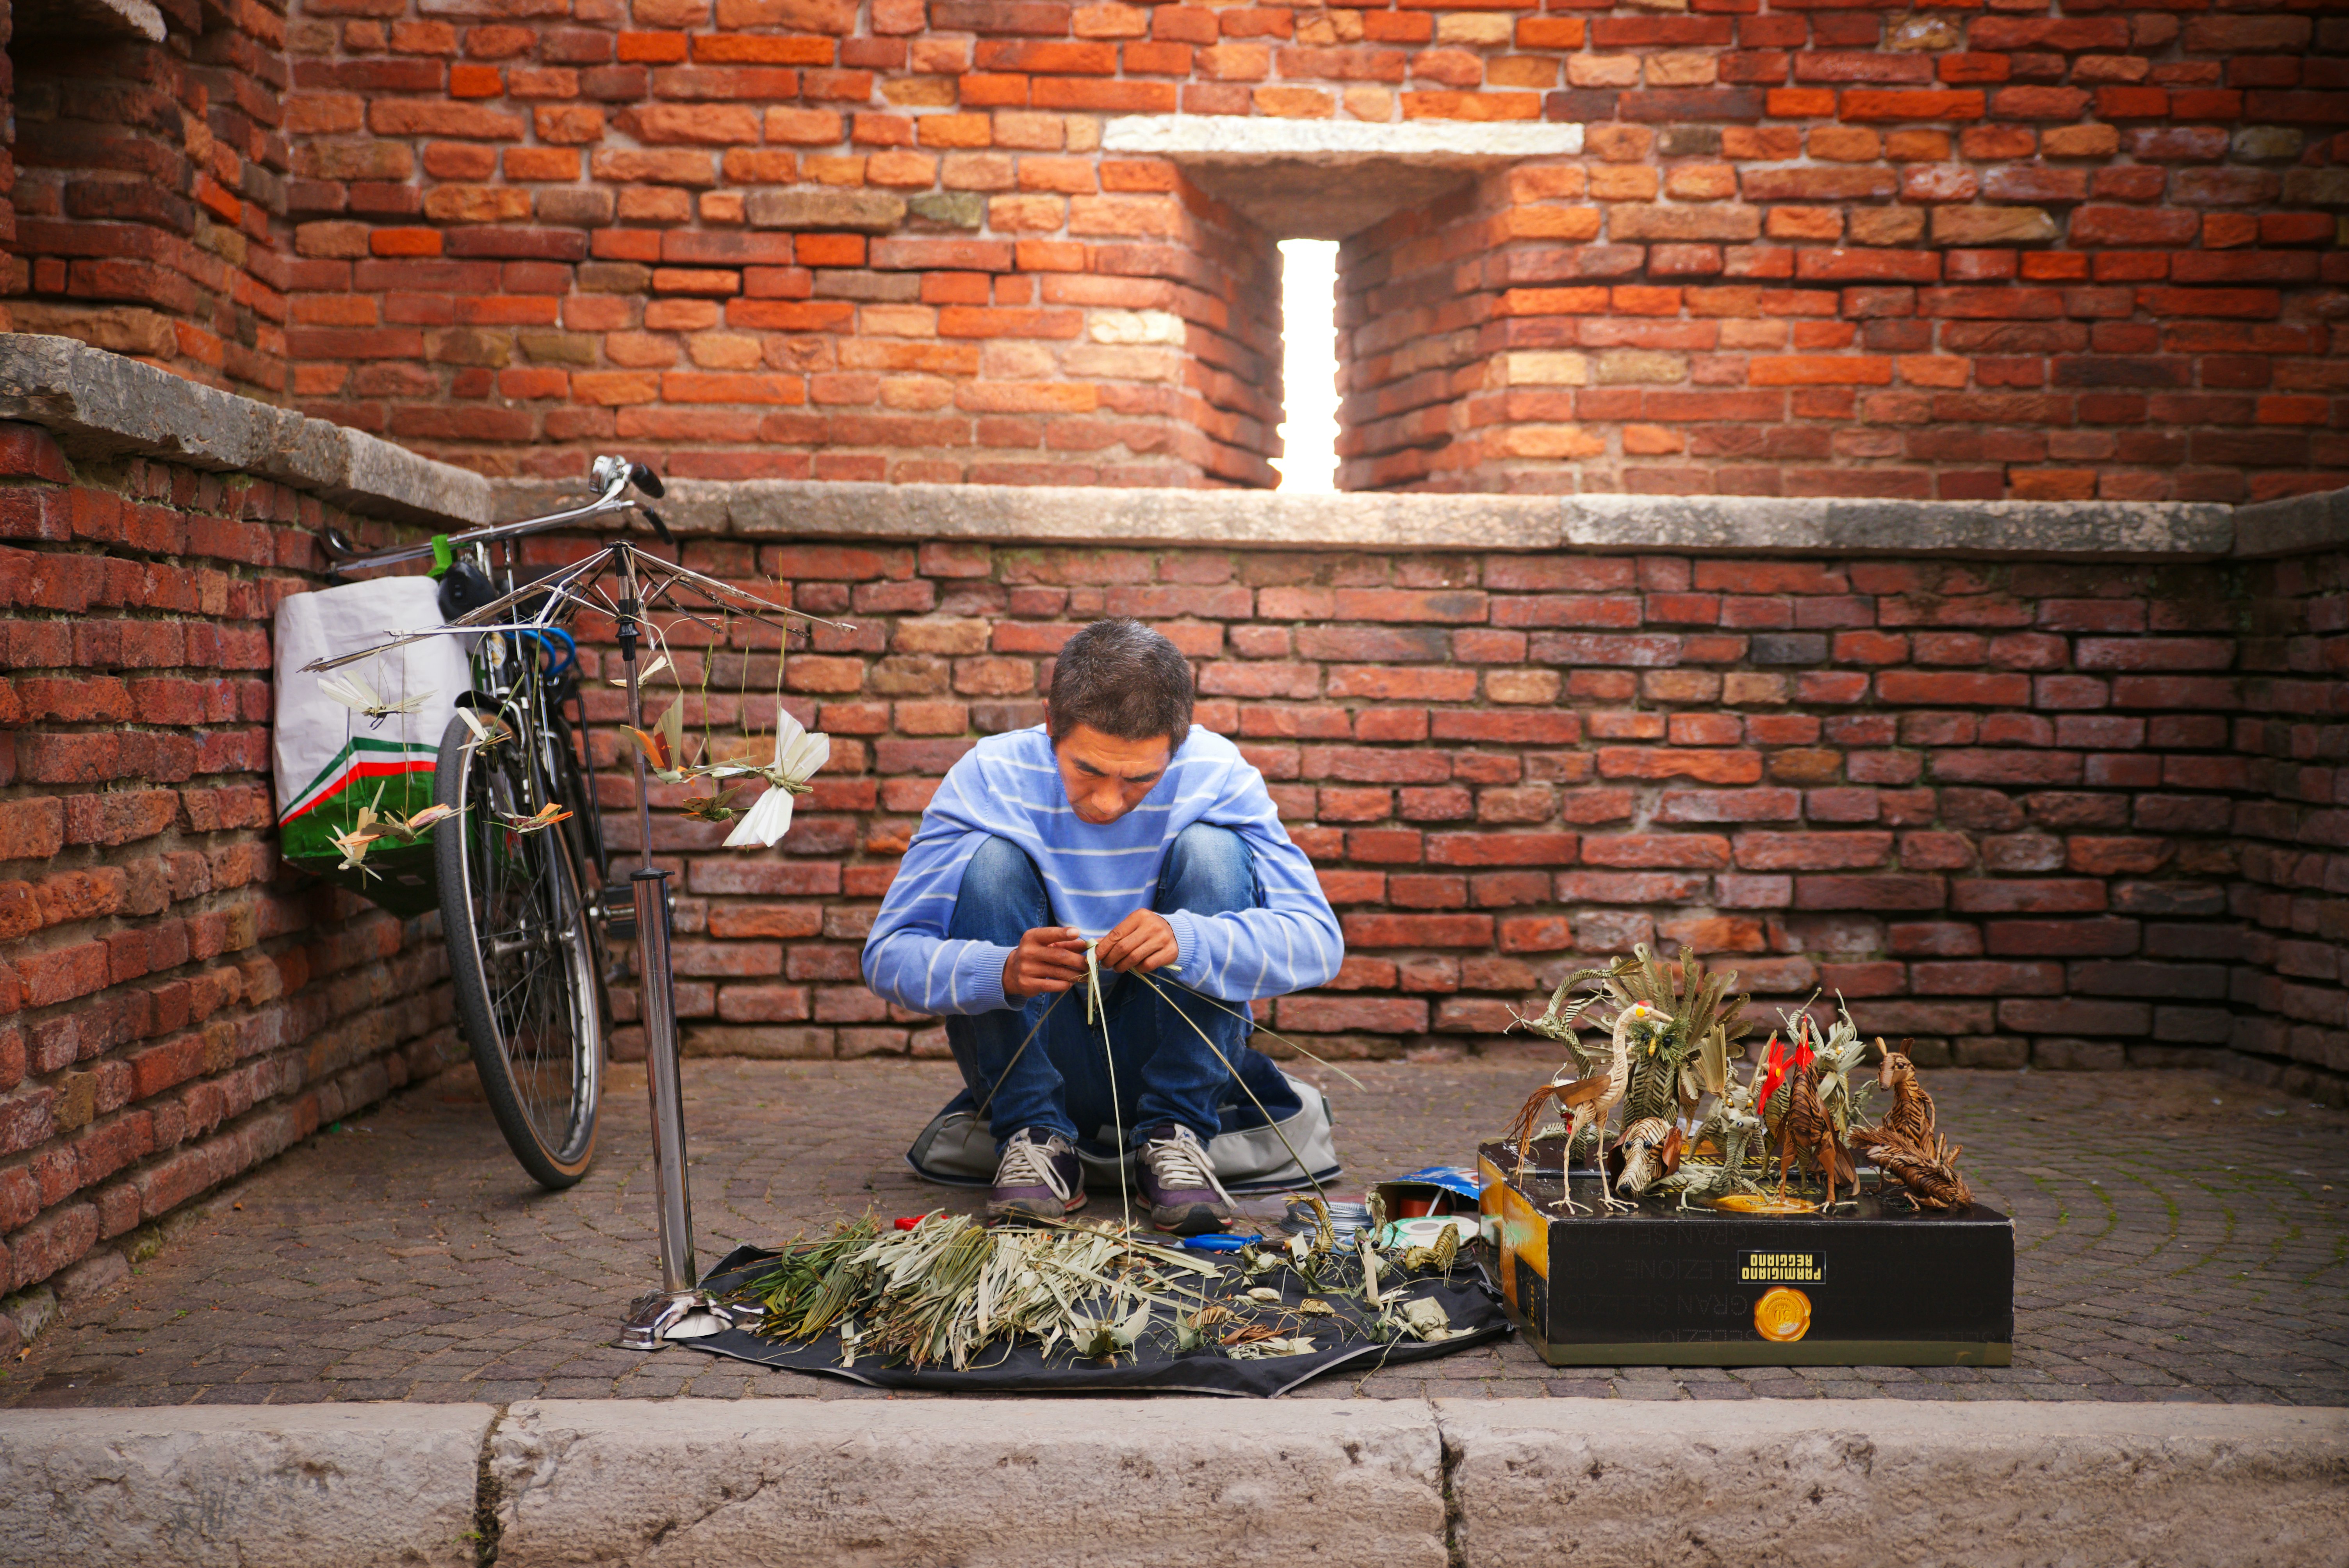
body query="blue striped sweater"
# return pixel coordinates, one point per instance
(1009, 785)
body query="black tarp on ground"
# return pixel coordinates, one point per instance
(1468, 1298)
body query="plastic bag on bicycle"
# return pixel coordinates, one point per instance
(332, 759)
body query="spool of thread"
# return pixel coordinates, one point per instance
(1426, 1232)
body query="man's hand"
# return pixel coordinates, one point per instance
(1049, 959)
(1141, 941)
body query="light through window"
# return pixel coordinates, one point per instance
(1309, 374)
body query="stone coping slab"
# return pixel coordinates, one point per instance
(2296, 523)
(102, 405)
(1327, 179)
(2181, 531)
(1005, 1484)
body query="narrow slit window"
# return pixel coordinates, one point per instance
(1309, 371)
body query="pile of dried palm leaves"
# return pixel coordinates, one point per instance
(949, 1290)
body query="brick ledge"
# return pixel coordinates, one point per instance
(100, 404)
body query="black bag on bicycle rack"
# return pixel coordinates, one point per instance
(464, 588)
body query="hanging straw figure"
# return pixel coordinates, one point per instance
(546, 816)
(489, 732)
(354, 841)
(371, 824)
(798, 755)
(715, 807)
(364, 700)
(664, 746)
(414, 827)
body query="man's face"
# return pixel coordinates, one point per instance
(1105, 776)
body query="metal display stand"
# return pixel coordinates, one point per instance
(679, 1308)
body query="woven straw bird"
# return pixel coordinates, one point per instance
(1650, 1148)
(1588, 1100)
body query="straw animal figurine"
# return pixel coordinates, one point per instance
(1650, 1148)
(1588, 1099)
(1925, 1174)
(1797, 1116)
(1910, 1119)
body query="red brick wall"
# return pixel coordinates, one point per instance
(2085, 250)
(2293, 979)
(2019, 811)
(148, 193)
(2071, 277)
(172, 1007)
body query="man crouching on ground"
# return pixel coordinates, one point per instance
(1114, 820)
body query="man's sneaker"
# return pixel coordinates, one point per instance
(1180, 1186)
(1037, 1180)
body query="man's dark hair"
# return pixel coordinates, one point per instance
(1123, 679)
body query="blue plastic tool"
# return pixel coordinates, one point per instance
(1216, 1243)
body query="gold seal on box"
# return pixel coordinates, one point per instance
(1783, 1315)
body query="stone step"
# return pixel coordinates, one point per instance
(1488, 1483)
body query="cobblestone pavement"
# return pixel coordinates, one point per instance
(2179, 1236)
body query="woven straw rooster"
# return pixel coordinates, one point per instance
(1797, 1116)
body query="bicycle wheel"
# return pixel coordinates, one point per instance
(521, 954)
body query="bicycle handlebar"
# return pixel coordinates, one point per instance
(612, 475)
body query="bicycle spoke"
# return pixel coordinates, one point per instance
(534, 968)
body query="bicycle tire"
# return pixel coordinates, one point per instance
(522, 956)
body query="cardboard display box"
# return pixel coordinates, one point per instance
(1877, 1284)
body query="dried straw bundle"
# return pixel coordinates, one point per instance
(946, 1289)
(943, 1290)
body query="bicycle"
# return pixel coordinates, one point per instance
(526, 911)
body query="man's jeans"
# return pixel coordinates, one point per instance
(1164, 1071)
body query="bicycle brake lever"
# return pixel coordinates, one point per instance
(658, 526)
(337, 543)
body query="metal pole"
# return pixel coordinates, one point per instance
(655, 1318)
(624, 557)
(671, 1190)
